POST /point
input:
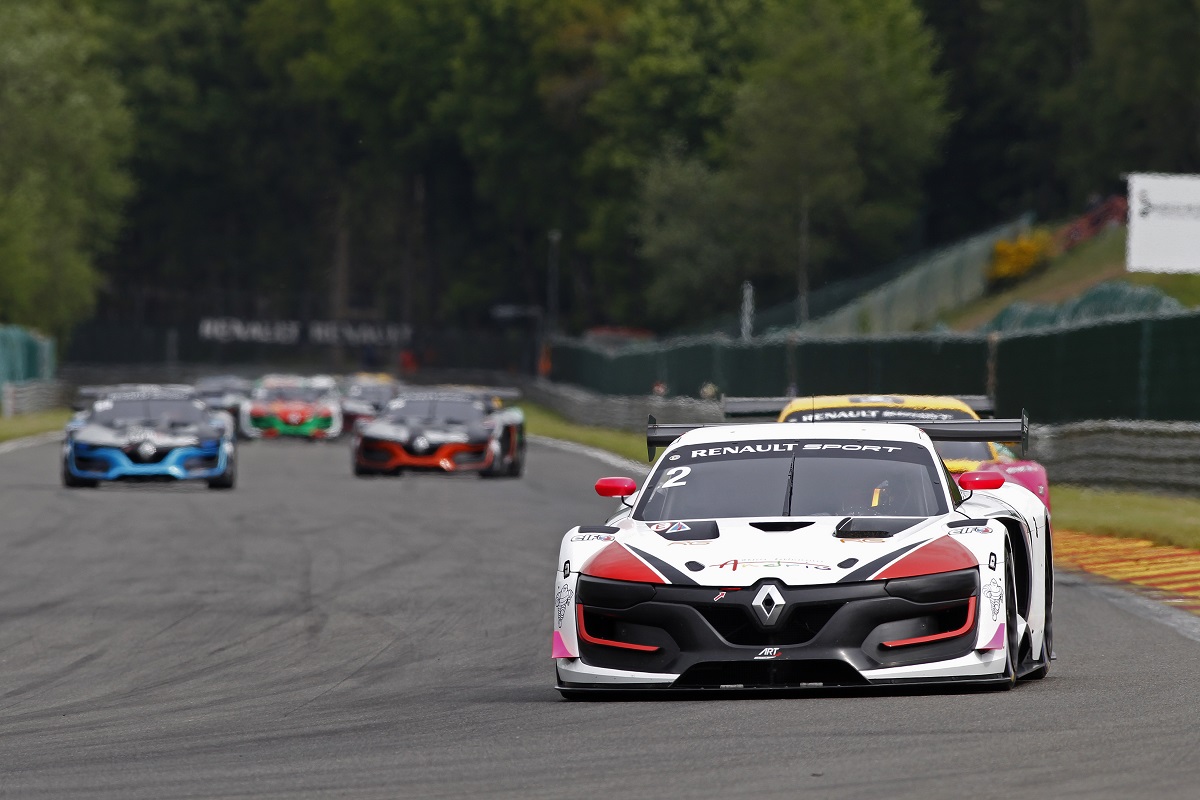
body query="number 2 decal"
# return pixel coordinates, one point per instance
(675, 477)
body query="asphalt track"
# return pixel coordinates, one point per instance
(313, 635)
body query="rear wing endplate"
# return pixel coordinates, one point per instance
(956, 430)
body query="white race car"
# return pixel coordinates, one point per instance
(785, 556)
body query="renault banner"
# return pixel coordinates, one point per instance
(1164, 223)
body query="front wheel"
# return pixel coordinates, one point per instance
(1043, 667)
(1012, 640)
(70, 481)
(517, 465)
(226, 479)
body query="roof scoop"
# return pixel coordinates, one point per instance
(782, 526)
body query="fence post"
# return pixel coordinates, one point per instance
(993, 346)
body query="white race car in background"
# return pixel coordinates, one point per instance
(782, 556)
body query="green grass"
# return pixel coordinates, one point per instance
(31, 424)
(543, 422)
(1184, 288)
(1159, 518)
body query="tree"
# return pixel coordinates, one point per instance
(64, 135)
(1132, 106)
(832, 129)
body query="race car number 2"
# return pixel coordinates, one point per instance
(675, 477)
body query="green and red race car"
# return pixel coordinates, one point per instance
(291, 405)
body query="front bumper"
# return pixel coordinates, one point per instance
(314, 428)
(387, 456)
(637, 636)
(180, 463)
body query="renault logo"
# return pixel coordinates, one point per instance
(769, 603)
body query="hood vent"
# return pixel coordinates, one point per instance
(873, 527)
(782, 526)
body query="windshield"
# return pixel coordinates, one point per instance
(290, 394)
(371, 393)
(170, 413)
(450, 411)
(794, 478)
(949, 451)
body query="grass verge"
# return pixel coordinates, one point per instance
(33, 424)
(1158, 518)
(1164, 519)
(543, 422)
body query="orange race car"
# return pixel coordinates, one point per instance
(444, 431)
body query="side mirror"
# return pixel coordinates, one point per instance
(616, 487)
(980, 480)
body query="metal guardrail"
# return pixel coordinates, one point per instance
(30, 396)
(1156, 456)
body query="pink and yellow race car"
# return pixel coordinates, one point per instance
(959, 457)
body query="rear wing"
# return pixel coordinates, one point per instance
(493, 396)
(734, 407)
(754, 406)
(955, 430)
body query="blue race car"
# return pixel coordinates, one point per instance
(154, 434)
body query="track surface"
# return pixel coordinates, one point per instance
(315, 635)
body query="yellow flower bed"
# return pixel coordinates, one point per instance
(1014, 260)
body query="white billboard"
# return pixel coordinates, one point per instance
(1164, 223)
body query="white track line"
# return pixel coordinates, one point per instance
(30, 441)
(612, 459)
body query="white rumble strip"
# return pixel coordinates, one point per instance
(30, 441)
(612, 459)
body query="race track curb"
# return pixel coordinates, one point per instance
(612, 459)
(1170, 575)
(30, 441)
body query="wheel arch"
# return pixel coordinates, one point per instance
(1018, 537)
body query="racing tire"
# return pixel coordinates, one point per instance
(517, 465)
(1043, 667)
(71, 482)
(226, 479)
(1012, 642)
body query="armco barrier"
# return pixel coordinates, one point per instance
(1120, 454)
(30, 396)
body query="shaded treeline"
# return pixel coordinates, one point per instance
(409, 160)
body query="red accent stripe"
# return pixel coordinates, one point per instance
(617, 563)
(970, 623)
(583, 634)
(940, 555)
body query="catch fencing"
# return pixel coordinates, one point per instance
(916, 363)
(1139, 369)
(944, 281)
(27, 367)
(25, 355)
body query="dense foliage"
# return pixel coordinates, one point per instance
(410, 160)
